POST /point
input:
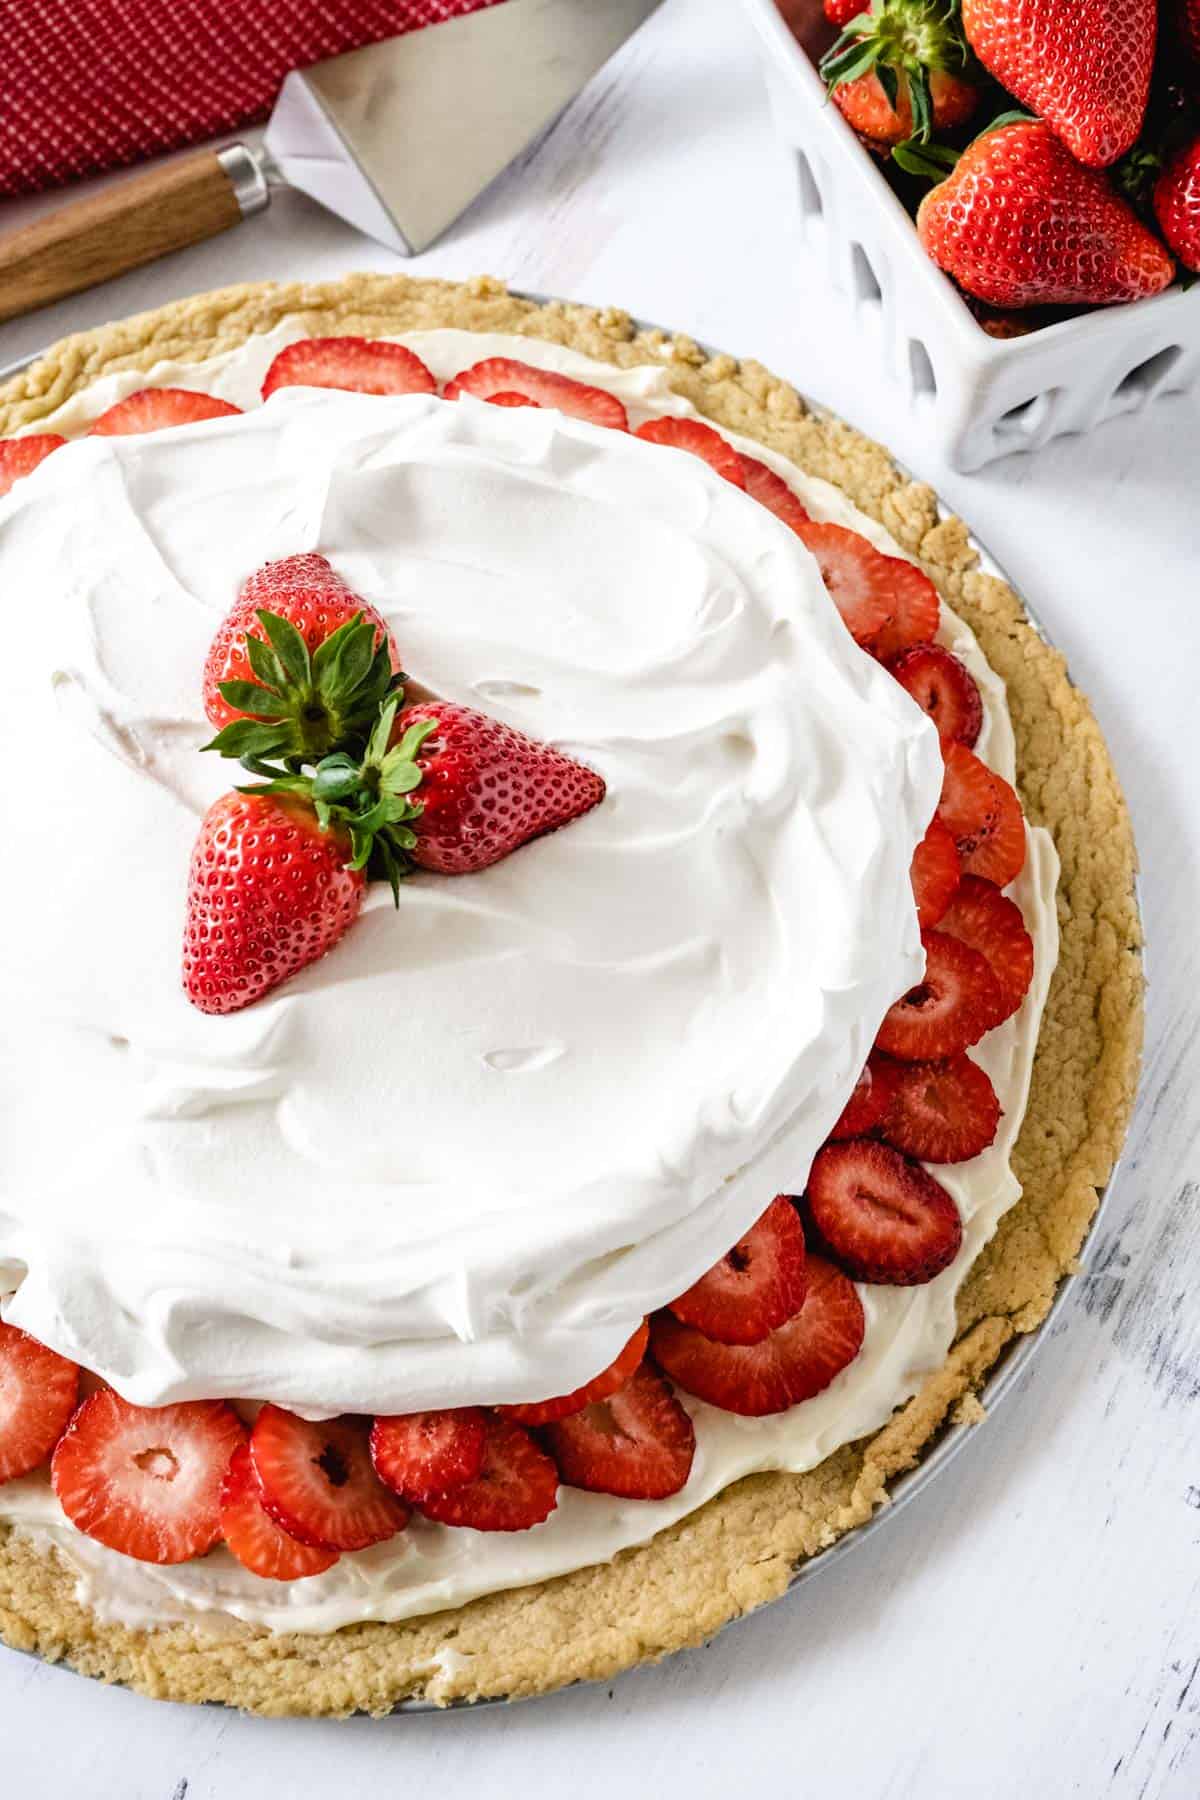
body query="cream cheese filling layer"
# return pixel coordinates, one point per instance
(625, 980)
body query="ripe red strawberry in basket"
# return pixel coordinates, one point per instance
(1185, 22)
(902, 70)
(1081, 65)
(1020, 223)
(1176, 199)
(840, 12)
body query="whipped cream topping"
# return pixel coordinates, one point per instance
(458, 1158)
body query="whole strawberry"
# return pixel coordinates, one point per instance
(1082, 65)
(1185, 18)
(840, 12)
(269, 892)
(902, 70)
(486, 788)
(299, 666)
(1176, 201)
(1020, 223)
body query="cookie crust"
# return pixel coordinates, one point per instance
(741, 1549)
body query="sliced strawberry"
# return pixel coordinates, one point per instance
(423, 1453)
(146, 1480)
(504, 376)
(797, 1360)
(252, 1535)
(361, 365)
(984, 817)
(942, 1112)
(944, 689)
(510, 400)
(544, 1412)
(868, 1104)
(38, 1391)
(154, 409)
(857, 578)
(951, 1007)
(517, 1486)
(700, 440)
(885, 1219)
(639, 1443)
(755, 1286)
(981, 916)
(915, 611)
(21, 456)
(318, 1482)
(771, 491)
(935, 874)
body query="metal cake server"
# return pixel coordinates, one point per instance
(397, 138)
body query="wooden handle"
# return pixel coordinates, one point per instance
(92, 240)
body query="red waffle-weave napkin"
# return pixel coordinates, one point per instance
(87, 85)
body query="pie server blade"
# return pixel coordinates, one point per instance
(397, 138)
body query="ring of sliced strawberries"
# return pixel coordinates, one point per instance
(313, 702)
(1088, 196)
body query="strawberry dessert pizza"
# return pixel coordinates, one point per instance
(590, 959)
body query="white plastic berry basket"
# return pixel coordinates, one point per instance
(981, 397)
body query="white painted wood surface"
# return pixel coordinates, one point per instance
(1031, 1626)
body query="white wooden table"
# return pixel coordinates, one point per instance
(1031, 1626)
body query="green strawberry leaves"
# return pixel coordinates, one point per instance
(365, 794)
(303, 706)
(901, 37)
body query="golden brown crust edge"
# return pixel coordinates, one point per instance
(741, 1549)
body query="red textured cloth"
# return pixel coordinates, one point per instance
(87, 85)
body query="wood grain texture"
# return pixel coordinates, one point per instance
(141, 218)
(1029, 1626)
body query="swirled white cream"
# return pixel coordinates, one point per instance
(458, 1158)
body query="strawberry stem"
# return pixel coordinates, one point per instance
(367, 796)
(894, 38)
(300, 707)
